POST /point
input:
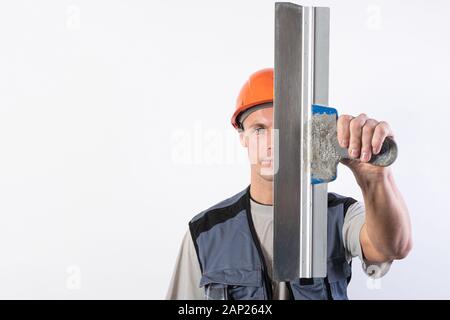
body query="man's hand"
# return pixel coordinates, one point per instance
(363, 137)
(386, 233)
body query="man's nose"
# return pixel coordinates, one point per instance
(269, 139)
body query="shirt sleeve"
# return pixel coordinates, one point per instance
(353, 222)
(185, 281)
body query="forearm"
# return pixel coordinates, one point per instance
(387, 224)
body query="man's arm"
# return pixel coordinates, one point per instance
(187, 274)
(386, 234)
(354, 220)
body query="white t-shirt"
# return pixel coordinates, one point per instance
(186, 276)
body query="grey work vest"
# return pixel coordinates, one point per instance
(231, 259)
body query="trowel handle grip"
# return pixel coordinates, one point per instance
(387, 154)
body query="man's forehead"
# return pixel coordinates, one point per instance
(263, 115)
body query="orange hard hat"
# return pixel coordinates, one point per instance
(257, 90)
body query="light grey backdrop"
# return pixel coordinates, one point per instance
(114, 132)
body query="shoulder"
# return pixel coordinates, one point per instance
(335, 199)
(221, 206)
(218, 213)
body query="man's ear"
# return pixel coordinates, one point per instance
(243, 138)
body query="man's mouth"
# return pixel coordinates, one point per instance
(266, 162)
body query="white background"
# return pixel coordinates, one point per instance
(114, 132)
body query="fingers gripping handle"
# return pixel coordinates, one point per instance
(387, 154)
(384, 158)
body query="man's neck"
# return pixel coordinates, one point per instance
(261, 190)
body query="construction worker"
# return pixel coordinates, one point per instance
(227, 251)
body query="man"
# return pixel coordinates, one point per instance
(227, 252)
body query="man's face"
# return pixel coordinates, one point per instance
(257, 137)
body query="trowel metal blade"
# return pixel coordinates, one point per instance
(287, 120)
(301, 80)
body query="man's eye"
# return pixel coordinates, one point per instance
(259, 130)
